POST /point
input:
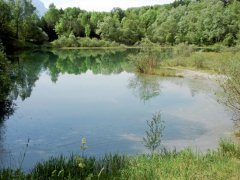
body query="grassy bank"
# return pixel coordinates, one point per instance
(223, 163)
(211, 62)
(166, 61)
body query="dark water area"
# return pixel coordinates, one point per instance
(63, 96)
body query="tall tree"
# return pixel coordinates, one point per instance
(49, 21)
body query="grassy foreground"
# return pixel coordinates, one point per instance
(223, 163)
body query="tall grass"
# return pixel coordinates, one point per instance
(74, 167)
(210, 61)
(223, 163)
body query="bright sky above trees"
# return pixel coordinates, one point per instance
(103, 5)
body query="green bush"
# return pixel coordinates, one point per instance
(73, 41)
(146, 60)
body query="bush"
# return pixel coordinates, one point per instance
(146, 61)
(73, 41)
(232, 86)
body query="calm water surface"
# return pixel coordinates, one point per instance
(63, 96)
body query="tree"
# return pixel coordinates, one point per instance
(49, 20)
(17, 14)
(118, 12)
(109, 29)
(87, 30)
(131, 30)
(69, 22)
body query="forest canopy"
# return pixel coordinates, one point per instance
(200, 22)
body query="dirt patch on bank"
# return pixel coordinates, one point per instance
(200, 75)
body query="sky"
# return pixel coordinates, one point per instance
(103, 5)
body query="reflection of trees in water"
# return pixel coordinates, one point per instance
(6, 104)
(197, 86)
(7, 108)
(145, 87)
(27, 66)
(26, 70)
(99, 62)
(2, 149)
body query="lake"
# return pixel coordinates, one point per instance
(65, 95)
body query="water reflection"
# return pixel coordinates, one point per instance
(145, 87)
(29, 65)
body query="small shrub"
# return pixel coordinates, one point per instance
(146, 61)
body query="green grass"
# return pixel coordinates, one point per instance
(162, 61)
(223, 163)
(212, 62)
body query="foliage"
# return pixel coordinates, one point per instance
(72, 41)
(49, 21)
(205, 22)
(232, 86)
(19, 21)
(146, 61)
(109, 28)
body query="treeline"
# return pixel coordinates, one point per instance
(200, 22)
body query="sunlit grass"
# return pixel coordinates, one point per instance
(223, 163)
(208, 61)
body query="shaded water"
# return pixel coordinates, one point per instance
(63, 96)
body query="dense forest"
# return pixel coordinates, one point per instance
(200, 22)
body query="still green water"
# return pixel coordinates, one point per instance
(62, 96)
